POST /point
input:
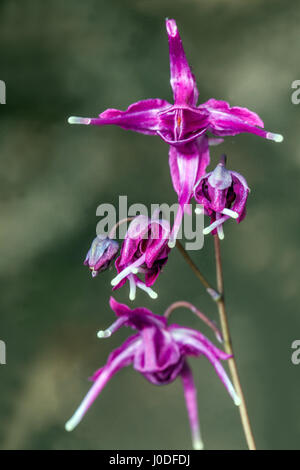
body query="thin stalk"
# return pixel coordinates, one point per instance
(229, 349)
(202, 316)
(211, 291)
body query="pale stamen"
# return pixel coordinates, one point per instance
(111, 329)
(220, 232)
(149, 291)
(132, 285)
(230, 213)
(214, 225)
(129, 270)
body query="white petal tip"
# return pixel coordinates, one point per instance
(275, 137)
(69, 426)
(153, 295)
(206, 230)
(78, 120)
(103, 334)
(221, 235)
(237, 401)
(132, 297)
(113, 282)
(171, 243)
(198, 445)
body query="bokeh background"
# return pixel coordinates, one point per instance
(61, 58)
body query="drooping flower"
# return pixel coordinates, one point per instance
(223, 194)
(144, 251)
(101, 253)
(183, 125)
(159, 353)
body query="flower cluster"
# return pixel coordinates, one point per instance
(157, 350)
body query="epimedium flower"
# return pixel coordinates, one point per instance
(223, 194)
(144, 251)
(102, 252)
(184, 124)
(159, 352)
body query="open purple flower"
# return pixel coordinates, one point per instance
(159, 353)
(102, 252)
(144, 251)
(183, 125)
(223, 194)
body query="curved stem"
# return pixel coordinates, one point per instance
(210, 290)
(113, 231)
(229, 349)
(204, 318)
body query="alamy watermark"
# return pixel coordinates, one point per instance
(191, 227)
(295, 96)
(2, 352)
(2, 92)
(295, 357)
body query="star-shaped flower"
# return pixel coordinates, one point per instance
(159, 352)
(184, 124)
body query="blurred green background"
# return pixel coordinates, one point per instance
(61, 58)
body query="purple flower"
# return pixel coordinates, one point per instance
(144, 251)
(183, 125)
(223, 194)
(102, 252)
(159, 353)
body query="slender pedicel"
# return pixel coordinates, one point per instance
(113, 231)
(193, 309)
(79, 120)
(229, 349)
(215, 295)
(128, 270)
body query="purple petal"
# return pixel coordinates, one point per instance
(137, 318)
(156, 352)
(140, 117)
(182, 80)
(187, 165)
(241, 190)
(194, 343)
(121, 357)
(190, 395)
(224, 120)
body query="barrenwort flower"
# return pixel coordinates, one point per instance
(144, 251)
(183, 125)
(101, 253)
(223, 194)
(159, 353)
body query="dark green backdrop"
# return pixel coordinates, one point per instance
(61, 58)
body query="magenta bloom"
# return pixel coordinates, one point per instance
(183, 124)
(144, 251)
(102, 252)
(224, 195)
(159, 353)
